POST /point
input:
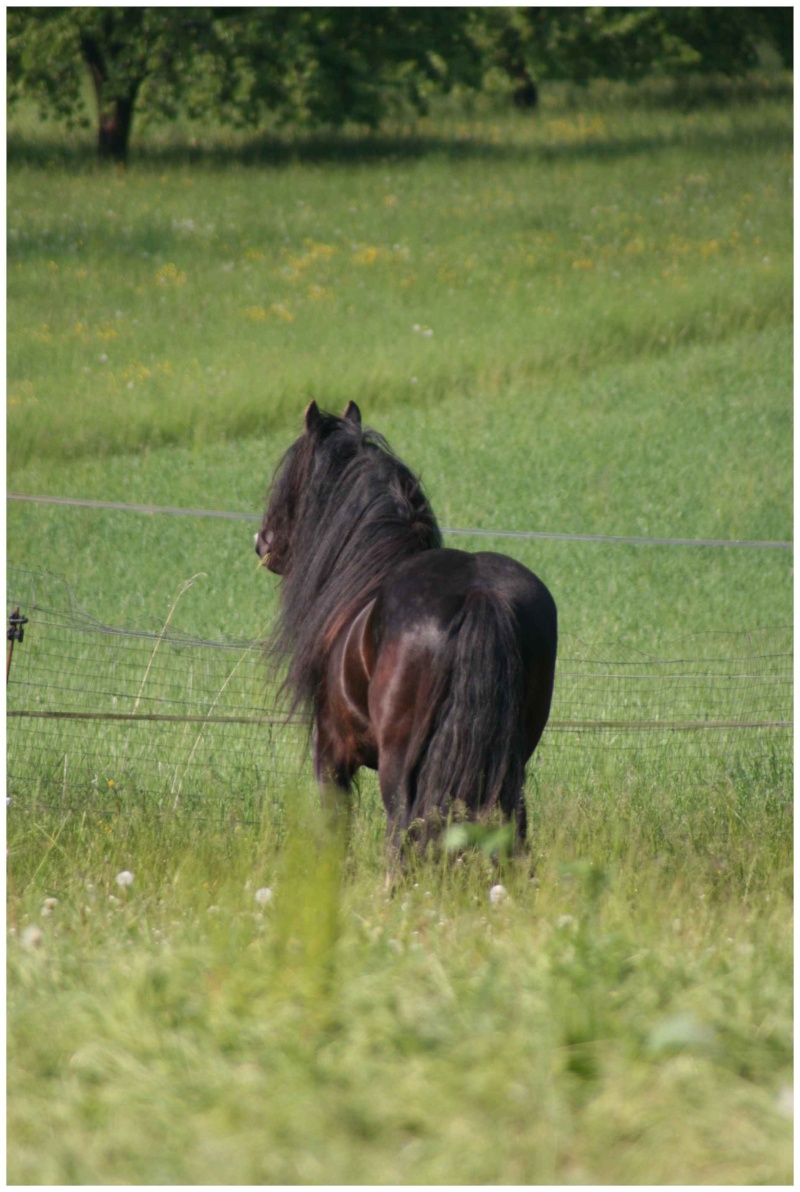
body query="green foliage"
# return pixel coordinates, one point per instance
(326, 66)
(50, 49)
(592, 42)
(318, 66)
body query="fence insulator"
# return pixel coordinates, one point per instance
(15, 633)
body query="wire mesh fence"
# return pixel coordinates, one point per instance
(719, 704)
(104, 719)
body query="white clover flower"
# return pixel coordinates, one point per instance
(497, 894)
(124, 879)
(263, 896)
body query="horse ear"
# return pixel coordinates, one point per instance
(352, 413)
(313, 417)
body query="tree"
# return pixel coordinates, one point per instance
(578, 44)
(322, 66)
(318, 65)
(50, 50)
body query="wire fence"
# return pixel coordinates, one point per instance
(228, 515)
(103, 719)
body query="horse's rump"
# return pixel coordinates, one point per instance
(482, 683)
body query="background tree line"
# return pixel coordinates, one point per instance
(324, 66)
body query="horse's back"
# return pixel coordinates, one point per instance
(428, 592)
(422, 606)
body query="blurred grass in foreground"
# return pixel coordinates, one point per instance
(199, 1029)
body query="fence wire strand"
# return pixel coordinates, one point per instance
(474, 532)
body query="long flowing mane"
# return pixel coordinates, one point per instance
(348, 511)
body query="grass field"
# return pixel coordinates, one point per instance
(576, 323)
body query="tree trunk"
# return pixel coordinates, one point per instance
(525, 93)
(113, 131)
(114, 114)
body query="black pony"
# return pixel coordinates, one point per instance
(434, 667)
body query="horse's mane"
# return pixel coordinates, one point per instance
(354, 511)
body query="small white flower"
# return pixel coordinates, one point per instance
(32, 937)
(124, 879)
(49, 905)
(497, 894)
(263, 896)
(428, 332)
(564, 921)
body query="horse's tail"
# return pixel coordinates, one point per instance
(474, 753)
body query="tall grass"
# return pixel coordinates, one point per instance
(574, 1031)
(581, 323)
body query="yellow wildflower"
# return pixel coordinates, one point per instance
(170, 275)
(280, 310)
(365, 256)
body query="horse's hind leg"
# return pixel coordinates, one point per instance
(334, 779)
(396, 786)
(521, 823)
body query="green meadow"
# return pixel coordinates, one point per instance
(578, 322)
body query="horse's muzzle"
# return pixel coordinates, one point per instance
(264, 547)
(263, 543)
